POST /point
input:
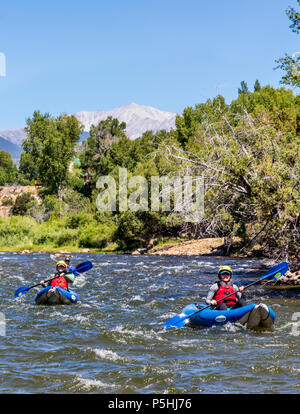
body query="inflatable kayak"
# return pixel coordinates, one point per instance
(55, 296)
(252, 316)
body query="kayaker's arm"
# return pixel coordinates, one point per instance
(239, 291)
(47, 283)
(211, 293)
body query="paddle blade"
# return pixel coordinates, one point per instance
(84, 267)
(21, 291)
(177, 321)
(276, 272)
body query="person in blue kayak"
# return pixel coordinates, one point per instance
(70, 267)
(222, 288)
(62, 278)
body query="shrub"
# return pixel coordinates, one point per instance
(76, 220)
(21, 204)
(94, 236)
(7, 201)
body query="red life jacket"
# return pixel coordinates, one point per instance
(224, 290)
(60, 281)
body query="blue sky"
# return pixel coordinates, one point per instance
(69, 55)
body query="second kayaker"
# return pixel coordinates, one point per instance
(61, 278)
(70, 267)
(224, 287)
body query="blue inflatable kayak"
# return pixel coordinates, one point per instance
(252, 316)
(55, 296)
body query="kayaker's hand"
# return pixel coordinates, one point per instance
(42, 282)
(213, 302)
(241, 289)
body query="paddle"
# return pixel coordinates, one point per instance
(81, 268)
(178, 321)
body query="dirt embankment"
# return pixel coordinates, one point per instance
(8, 195)
(188, 248)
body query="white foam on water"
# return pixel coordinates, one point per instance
(107, 354)
(137, 297)
(80, 281)
(89, 383)
(137, 333)
(293, 328)
(124, 269)
(166, 316)
(81, 318)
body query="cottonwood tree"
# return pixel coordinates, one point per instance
(251, 169)
(291, 64)
(50, 143)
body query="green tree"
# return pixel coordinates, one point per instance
(8, 170)
(22, 204)
(250, 158)
(291, 64)
(101, 138)
(27, 167)
(294, 16)
(243, 89)
(50, 142)
(257, 86)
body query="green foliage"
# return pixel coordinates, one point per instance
(257, 86)
(294, 16)
(7, 201)
(100, 141)
(250, 156)
(291, 64)
(77, 220)
(50, 142)
(27, 167)
(248, 152)
(243, 90)
(15, 230)
(8, 171)
(136, 230)
(21, 204)
(95, 236)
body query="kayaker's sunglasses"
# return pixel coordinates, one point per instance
(225, 274)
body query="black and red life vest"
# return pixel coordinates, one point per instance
(224, 290)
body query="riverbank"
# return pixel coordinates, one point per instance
(168, 247)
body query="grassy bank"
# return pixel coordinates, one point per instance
(79, 233)
(72, 233)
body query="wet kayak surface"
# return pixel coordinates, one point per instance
(113, 340)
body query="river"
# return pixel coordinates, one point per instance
(113, 341)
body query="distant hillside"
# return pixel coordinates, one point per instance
(138, 119)
(13, 149)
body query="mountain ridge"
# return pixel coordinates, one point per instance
(138, 118)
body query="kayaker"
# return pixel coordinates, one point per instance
(70, 267)
(61, 278)
(224, 287)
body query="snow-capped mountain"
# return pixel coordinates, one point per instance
(15, 136)
(138, 119)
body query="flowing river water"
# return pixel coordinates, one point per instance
(113, 340)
